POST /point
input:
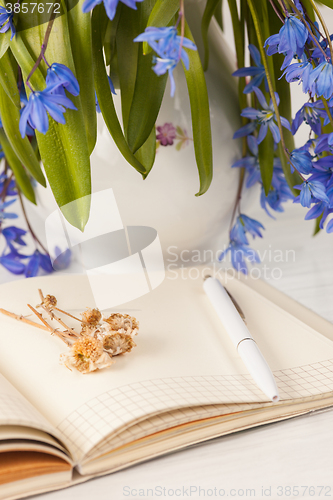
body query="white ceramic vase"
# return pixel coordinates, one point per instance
(166, 200)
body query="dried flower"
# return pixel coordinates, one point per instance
(128, 323)
(87, 355)
(91, 316)
(118, 343)
(49, 302)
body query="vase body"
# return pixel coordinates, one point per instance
(165, 200)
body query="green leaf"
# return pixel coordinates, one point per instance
(104, 94)
(199, 102)
(144, 112)
(21, 177)
(8, 79)
(80, 35)
(4, 42)
(328, 3)
(110, 37)
(161, 15)
(317, 225)
(218, 14)
(127, 52)
(10, 117)
(266, 159)
(179, 145)
(210, 8)
(146, 154)
(64, 148)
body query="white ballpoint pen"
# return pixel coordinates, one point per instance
(230, 316)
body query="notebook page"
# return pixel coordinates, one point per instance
(183, 358)
(15, 410)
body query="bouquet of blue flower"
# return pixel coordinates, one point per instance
(61, 62)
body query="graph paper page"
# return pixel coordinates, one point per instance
(183, 358)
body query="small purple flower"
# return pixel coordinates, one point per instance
(41, 102)
(322, 77)
(310, 113)
(6, 215)
(301, 160)
(301, 72)
(170, 50)
(293, 36)
(36, 261)
(166, 134)
(239, 253)
(257, 72)
(311, 191)
(59, 77)
(12, 263)
(6, 21)
(110, 6)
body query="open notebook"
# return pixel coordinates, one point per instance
(182, 384)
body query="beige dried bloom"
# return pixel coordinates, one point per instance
(49, 302)
(91, 316)
(119, 321)
(118, 343)
(87, 355)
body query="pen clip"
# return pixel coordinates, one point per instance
(239, 310)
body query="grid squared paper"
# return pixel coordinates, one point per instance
(14, 410)
(102, 416)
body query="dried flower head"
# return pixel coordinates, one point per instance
(49, 302)
(86, 356)
(118, 343)
(91, 316)
(118, 321)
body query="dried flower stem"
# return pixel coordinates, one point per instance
(70, 315)
(23, 319)
(59, 320)
(61, 335)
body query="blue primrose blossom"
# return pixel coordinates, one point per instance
(293, 36)
(110, 6)
(36, 261)
(301, 160)
(6, 22)
(7, 215)
(322, 78)
(170, 50)
(310, 113)
(60, 77)
(301, 72)
(311, 191)
(257, 72)
(40, 102)
(265, 118)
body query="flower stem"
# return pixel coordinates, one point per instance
(28, 223)
(270, 84)
(44, 46)
(322, 22)
(327, 109)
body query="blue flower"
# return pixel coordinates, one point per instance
(62, 260)
(265, 118)
(300, 71)
(252, 226)
(12, 263)
(170, 50)
(36, 261)
(310, 113)
(301, 160)
(6, 215)
(309, 191)
(251, 163)
(13, 234)
(110, 5)
(322, 76)
(239, 253)
(6, 22)
(257, 72)
(35, 112)
(98, 109)
(59, 76)
(293, 36)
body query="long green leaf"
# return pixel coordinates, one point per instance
(63, 148)
(328, 3)
(199, 102)
(104, 94)
(266, 160)
(21, 177)
(10, 117)
(80, 35)
(161, 15)
(210, 8)
(8, 79)
(127, 52)
(146, 154)
(144, 112)
(218, 14)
